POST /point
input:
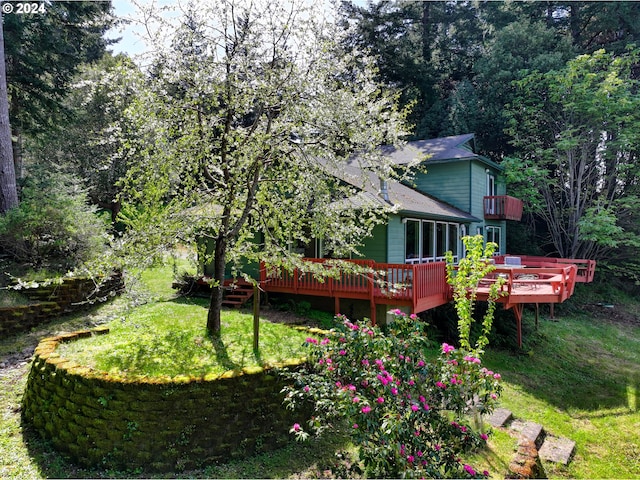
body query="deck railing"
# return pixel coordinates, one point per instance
(379, 282)
(586, 268)
(502, 207)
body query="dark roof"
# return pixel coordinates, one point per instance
(437, 150)
(404, 199)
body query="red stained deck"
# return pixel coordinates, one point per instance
(424, 286)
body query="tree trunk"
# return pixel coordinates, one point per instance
(426, 33)
(217, 291)
(8, 187)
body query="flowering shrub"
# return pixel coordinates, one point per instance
(410, 416)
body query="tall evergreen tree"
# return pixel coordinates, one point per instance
(42, 54)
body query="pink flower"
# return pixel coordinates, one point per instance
(311, 340)
(470, 470)
(342, 352)
(446, 348)
(485, 473)
(441, 385)
(421, 363)
(410, 458)
(484, 436)
(306, 388)
(325, 341)
(355, 425)
(366, 409)
(426, 406)
(394, 391)
(413, 316)
(351, 387)
(437, 448)
(415, 407)
(356, 399)
(296, 427)
(497, 376)
(365, 362)
(380, 400)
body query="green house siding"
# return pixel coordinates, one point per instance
(448, 182)
(477, 189)
(375, 247)
(395, 240)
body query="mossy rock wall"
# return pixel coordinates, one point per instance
(159, 424)
(55, 299)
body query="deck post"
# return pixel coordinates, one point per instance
(336, 305)
(373, 312)
(517, 311)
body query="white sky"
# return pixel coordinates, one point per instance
(131, 42)
(133, 34)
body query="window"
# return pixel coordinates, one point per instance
(491, 192)
(453, 237)
(412, 241)
(493, 235)
(427, 241)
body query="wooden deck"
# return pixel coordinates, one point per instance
(420, 287)
(424, 286)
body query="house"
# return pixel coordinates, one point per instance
(455, 192)
(461, 193)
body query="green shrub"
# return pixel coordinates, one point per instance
(53, 226)
(409, 416)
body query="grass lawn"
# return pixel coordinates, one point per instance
(581, 380)
(579, 377)
(169, 338)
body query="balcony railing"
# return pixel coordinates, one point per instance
(502, 207)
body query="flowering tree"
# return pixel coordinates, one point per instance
(244, 98)
(409, 415)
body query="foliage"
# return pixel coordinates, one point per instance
(53, 226)
(90, 142)
(409, 416)
(576, 131)
(465, 279)
(44, 51)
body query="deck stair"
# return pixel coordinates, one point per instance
(237, 294)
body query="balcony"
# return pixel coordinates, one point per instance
(502, 207)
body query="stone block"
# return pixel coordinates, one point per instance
(500, 417)
(529, 431)
(557, 450)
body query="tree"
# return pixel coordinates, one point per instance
(89, 143)
(514, 51)
(576, 134)
(8, 189)
(423, 49)
(250, 112)
(42, 53)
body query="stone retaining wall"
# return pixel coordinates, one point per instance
(55, 299)
(158, 424)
